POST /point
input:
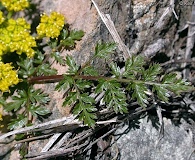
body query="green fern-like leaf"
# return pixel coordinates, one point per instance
(69, 39)
(85, 98)
(70, 99)
(20, 122)
(76, 35)
(83, 84)
(37, 96)
(115, 70)
(151, 74)
(116, 100)
(134, 66)
(84, 107)
(172, 83)
(26, 68)
(59, 59)
(102, 50)
(139, 93)
(64, 84)
(102, 86)
(86, 113)
(38, 110)
(89, 70)
(64, 34)
(73, 67)
(2, 101)
(38, 58)
(162, 92)
(114, 96)
(18, 101)
(45, 69)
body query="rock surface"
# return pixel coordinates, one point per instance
(146, 143)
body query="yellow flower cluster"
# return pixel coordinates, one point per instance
(15, 37)
(1, 17)
(15, 5)
(50, 26)
(8, 76)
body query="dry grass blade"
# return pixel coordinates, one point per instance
(111, 28)
(51, 124)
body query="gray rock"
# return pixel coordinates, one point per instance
(145, 143)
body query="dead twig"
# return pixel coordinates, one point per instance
(177, 61)
(62, 140)
(160, 117)
(90, 145)
(67, 120)
(33, 139)
(55, 153)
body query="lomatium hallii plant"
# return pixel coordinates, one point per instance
(23, 64)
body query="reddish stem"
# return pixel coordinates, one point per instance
(57, 78)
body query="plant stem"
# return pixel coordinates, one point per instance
(57, 78)
(9, 15)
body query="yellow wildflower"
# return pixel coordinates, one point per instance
(8, 77)
(15, 37)
(15, 5)
(50, 26)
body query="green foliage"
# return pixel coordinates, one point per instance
(90, 70)
(37, 96)
(73, 68)
(115, 70)
(20, 136)
(102, 50)
(151, 74)
(86, 113)
(66, 83)
(174, 84)
(83, 84)
(69, 37)
(33, 101)
(45, 69)
(85, 109)
(39, 57)
(2, 101)
(139, 81)
(139, 93)
(114, 95)
(70, 99)
(134, 67)
(83, 104)
(38, 110)
(58, 58)
(26, 68)
(162, 92)
(17, 101)
(20, 122)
